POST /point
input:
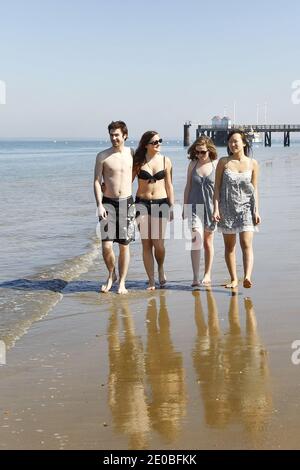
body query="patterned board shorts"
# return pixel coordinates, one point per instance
(119, 225)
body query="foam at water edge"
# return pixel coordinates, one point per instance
(26, 301)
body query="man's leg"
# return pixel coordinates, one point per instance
(123, 264)
(109, 259)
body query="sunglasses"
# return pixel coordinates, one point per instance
(202, 152)
(156, 142)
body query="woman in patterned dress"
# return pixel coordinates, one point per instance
(236, 204)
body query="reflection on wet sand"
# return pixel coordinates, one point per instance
(126, 384)
(165, 373)
(146, 390)
(231, 369)
(147, 383)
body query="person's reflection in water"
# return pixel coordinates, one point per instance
(208, 361)
(165, 373)
(126, 385)
(231, 369)
(255, 389)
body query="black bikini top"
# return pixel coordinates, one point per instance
(160, 175)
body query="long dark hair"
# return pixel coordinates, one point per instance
(247, 148)
(139, 158)
(203, 140)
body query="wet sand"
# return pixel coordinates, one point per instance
(172, 369)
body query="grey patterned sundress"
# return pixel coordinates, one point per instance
(237, 202)
(201, 193)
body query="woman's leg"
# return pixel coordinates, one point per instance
(159, 253)
(149, 262)
(195, 256)
(158, 229)
(246, 246)
(230, 241)
(201, 325)
(251, 323)
(233, 314)
(208, 255)
(213, 319)
(144, 224)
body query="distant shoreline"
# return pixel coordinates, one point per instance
(167, 141)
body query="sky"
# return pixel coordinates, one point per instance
(70, 67)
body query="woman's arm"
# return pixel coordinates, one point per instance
(187, 188)
(168, 181)
(169, 186)
(254, 181)
(218, 181)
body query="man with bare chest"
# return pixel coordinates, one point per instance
(115, 205)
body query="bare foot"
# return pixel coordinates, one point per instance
(110, 280)
(248, 303)
(122, 289)
(151, 284)
(247, 283)
(196, 293)
(206, 280)
(196, 284)
(150, 287)
(196, 287)
(162, 277)
(232, 284)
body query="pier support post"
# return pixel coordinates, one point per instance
(268, 139)
(286, 139)
(186, 133)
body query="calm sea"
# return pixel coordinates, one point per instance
(48, 219)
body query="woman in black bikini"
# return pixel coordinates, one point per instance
(154, 202)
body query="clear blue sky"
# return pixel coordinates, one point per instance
(71, 67)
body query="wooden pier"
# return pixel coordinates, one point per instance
(219, 134)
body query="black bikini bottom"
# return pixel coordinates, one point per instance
(154, 207)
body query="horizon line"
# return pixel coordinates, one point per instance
(61, 139)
